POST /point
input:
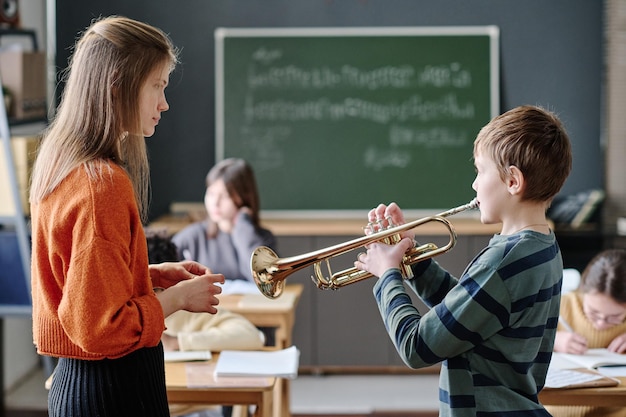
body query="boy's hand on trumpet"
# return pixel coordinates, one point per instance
(384, 216)
(380, 256)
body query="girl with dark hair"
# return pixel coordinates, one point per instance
(226, 239)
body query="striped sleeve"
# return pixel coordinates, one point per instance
(493, 329)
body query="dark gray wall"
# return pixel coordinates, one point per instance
(551, 55)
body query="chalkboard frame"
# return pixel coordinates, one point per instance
(221, 34)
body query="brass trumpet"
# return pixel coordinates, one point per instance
(270, 271)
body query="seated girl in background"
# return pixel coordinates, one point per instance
(186, 331)
(596, 313)
(226, 239)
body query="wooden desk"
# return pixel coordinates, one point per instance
(601, 396)
(279, 313)
(193, 383)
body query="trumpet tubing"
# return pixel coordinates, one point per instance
(270, 271)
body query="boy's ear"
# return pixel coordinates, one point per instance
(515, 181)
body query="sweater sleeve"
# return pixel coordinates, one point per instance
(454, 326)
(107, 306)
(432, 282)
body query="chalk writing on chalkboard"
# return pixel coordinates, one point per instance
(339, 120)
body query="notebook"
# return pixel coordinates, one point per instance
(278, 363)
(564, 373)
(595, 358)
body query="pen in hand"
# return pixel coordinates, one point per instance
(576, 343)
(566, 325)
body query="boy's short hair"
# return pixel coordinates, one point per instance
(535, 141)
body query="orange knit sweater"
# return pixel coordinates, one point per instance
(572, 312)
(91, 289)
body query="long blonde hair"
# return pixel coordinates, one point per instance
(98, 117)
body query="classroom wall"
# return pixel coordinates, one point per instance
(19, 354)
(551, 55)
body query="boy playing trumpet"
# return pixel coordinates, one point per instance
(493, 328)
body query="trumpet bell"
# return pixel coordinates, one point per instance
(263, 267)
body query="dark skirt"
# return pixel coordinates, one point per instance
(130, 386)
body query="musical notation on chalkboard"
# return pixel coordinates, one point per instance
(341, 119)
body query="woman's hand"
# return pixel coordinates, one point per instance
(198, 294)
(570, 342)
(618, 345)
(166, 274)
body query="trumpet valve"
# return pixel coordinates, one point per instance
(390, 223)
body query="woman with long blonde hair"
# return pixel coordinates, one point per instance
(97, 304)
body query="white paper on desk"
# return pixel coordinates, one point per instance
(186, 356)
(279, 363)
(560, 378)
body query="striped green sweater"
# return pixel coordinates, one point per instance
(493, 329)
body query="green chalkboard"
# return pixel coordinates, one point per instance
(337, 120)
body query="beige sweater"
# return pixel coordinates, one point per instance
(215, 332)
(572, 312)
